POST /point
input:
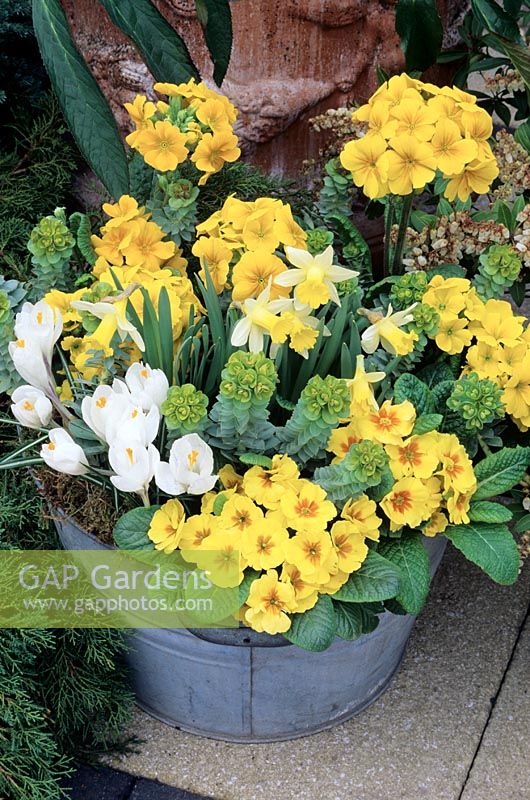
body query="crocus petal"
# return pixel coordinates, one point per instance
(165, 479)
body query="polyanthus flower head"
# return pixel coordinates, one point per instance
(415, 131)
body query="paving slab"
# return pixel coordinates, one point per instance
(149, 790)
(92, 783)
(501, 768)
(417, 741)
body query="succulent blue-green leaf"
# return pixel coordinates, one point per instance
(161, 47)
(490, 546)
(82, 101)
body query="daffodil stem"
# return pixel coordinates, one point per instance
(485, 448)
(397, 260)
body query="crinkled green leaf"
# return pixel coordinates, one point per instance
(410, 556)
(427, 422)
(499, 472)
(315, 629)
(130, 531)
(377, 579)
(484, 511)
(490, 547)
(408, 387)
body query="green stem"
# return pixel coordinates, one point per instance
(389, 221)
(485, 448)
(25, 462)
(23, 449)
(397, 261)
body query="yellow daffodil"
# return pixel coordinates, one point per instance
(410, 164)
(253, 272)
(362, 388)
(266, 486)
(386, 330)
(362, 513)
(269, 603)
(416, 456)
(453, 334)
(306, 509)
(348, 543)
(314, 277)
(297, 324)
(306, 595)
(263, 546)
(451, 151)
(214, 256)
(477, 176)
(167, 525)
(258, 320)
(410, 502)
(113, 320)
(62, 302)
(314, 555)
(366, 161)
(163, 146)
(389, 424)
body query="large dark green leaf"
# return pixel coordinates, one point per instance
(130, 531)
(410, 556)
(354, 619)
(501, 471)
(419, 27)
(216, 20)
(519, 55)
(314, 629)
(490, 547)
(377, 579)
(163, 50)
(496, 19)
(84, 106)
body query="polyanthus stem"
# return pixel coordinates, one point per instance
(397, 261)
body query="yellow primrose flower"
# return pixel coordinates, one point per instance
(398, 88)
(287, 229)
(306, 595)
(349, 545)
(123, 211)
(220, 556)
(313, 276)
(446, 109)
(389, 424)
(377, 115)
(307, 509)
(410, 502)
(263, 546)
(342, 438)
(437, 524)
(314, 555)
(447, 295)
(458, 507)
(253, 272)
(214, 150)
(145, 248)
(197, 529)
(485, 360)
(497, 325)
(266, 486)
(477, 176)
(451, 151)
(453, 334)
(516, 394)
(416, 456)
(61, 302)
(510, 359)
(385, 330)
(269, 603)
(474, 307)
(366, 161)
(361, 388)
(163, 146)
(140, 111)
(414, 119)
(335, 582)
(240, 514)
(478, 127)
(410, 164)
(166, 527)
(110, 246)
(229, 478)
(362, 513)
(260, 232)
(456, 467)
(212, 113)
(258, 321)
(214, 256)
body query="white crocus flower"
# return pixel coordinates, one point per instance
(314, 277)
(385, 330)
(30, 363)
(62, 454)
(31, 407)
(134, 425)
(189, 469)
(41, 325)
(260, 317)
(113, 320)
(147, 386)
(104, 408)
(134, 465)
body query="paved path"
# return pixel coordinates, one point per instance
(452, 726)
